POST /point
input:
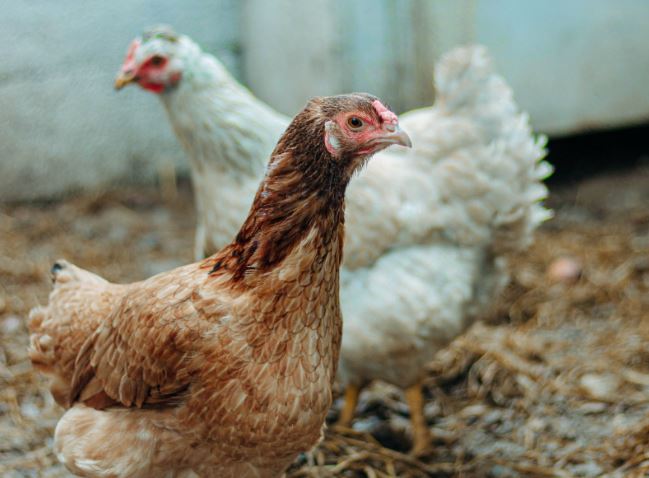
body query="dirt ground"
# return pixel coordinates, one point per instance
(554, 383)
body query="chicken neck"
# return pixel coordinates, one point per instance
(298, 210)
(220, 124)
(226, 133)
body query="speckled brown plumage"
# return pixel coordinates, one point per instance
(222, 367)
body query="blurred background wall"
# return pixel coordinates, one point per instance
(574, 65)
(62, 126)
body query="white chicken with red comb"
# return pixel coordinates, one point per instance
(428, 229)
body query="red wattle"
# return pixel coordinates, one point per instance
(154, 87)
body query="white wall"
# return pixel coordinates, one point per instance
(573, 64)
(324, 47)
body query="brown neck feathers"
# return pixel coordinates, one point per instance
(303, 188)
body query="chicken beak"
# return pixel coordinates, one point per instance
(124, 78)
(396, 136)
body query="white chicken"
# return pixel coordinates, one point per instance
(428, 229)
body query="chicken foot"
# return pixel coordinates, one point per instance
(420, 433)
(352, 392)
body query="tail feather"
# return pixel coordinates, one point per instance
(488, 163)
(465, 84)
(41, 344)
(78, 302)
(64, 272)
(468, 86)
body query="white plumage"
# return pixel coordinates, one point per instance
(428, 229)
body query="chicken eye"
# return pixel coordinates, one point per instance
(157, 60)
(354, 122)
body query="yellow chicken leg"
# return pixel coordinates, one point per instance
(420, 432)
(352, 392)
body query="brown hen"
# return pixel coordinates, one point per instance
(223, 367)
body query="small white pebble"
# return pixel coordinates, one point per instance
(599, 386)
(29, 410)
(473, 410)
(593, 408)
(536, 424)
(11, 324)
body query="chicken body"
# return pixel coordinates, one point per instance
(224, 367)
(428, 229)
(258, 394)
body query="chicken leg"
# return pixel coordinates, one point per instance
(420, 432)
(352, 392)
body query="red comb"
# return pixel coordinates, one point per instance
(386, 115)
(129, 62)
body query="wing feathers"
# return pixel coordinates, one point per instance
(128, 345)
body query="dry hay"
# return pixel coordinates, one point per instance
(554, 383)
